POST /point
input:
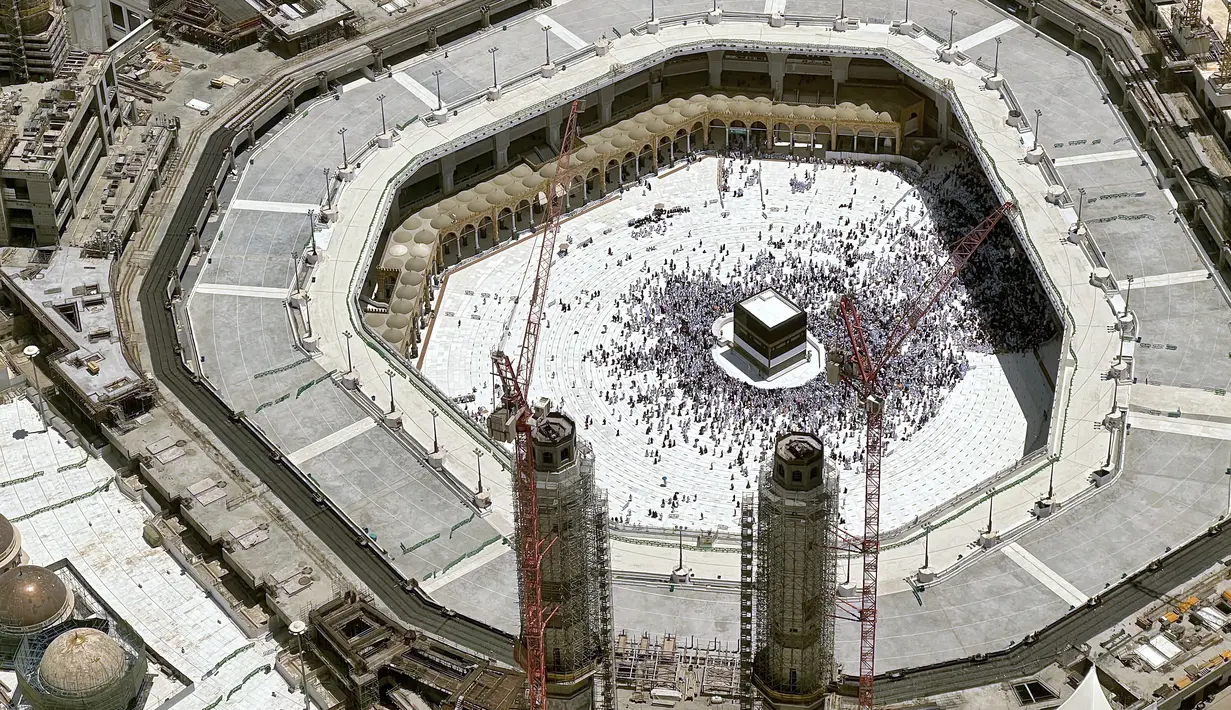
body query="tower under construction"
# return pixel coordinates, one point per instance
(575, 568)
(35, 40)
(792, 647)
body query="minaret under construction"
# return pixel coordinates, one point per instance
(793, 646)
(576, 575)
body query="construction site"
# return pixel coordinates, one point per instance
(748, 354)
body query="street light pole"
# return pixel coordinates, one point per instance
(389, 372)
(1038, 121)
(991, 497)
(1081, 200)
(907, 18)
(312, 228)
(328, 186)
(478, 458)
(547, 42)
(996, 63)
(297, 629)
(440, 104)
(32, 351)
(342, 132)
(651, 9)
(348, 335)
(495, 80)
(381, 99)
(927, 534)
(435, 440)
(952, 14)
(1127, 294)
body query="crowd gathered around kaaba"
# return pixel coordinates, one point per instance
(666, 387)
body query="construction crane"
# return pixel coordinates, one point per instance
(515, 391)
(864, 374)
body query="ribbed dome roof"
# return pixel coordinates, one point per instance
(8, 536)
(81, 662)
(32, 598)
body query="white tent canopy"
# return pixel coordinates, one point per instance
(1089, 695)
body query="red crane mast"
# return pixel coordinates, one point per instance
(515, 391)
(865, 378)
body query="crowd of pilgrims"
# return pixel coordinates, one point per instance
(667, 390)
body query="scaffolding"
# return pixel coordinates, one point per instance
(796, 575)
(694, 668)
(605, 688)
(747, 595)
(576, 557)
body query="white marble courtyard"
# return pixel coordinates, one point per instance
(101, 535)
(989, 419)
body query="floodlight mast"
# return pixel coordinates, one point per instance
(515, 386)
(864, 376)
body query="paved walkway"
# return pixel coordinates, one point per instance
(1083, 446)
(986, 605)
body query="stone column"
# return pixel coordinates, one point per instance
(322, 82)
(448, 164)
(554, 116)
(715, 58)
(606, 96)
(290, 100)
(485, 16)
(777, 73)
(942, 118)
(841, 71)
(501, 141)
(656, 84)
(378, 60)
(431, 39)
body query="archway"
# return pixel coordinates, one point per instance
(613, 173)
(718, 134)
(470, 243)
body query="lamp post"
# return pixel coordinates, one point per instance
(348, 335)
(478, 465)
(842, 10)
(328, 184)
(32, 351)
(389, 372)
(1081, 200)
(991, 497)
(907, 18)
(492, 51)
(1228, 473)
(996, 62)
(1051, 479)
(1038, 121)
(312, 228)
(440, 104)
(651, 9)
(435, 440)
(295, 269)
(297, 630)
(927, 534)
(952, 14)
(381, 100)
(547, 42)
(342, 132)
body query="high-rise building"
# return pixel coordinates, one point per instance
(793, 661)
(575, 569)
(35, 40)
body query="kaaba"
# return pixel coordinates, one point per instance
(771, 332)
